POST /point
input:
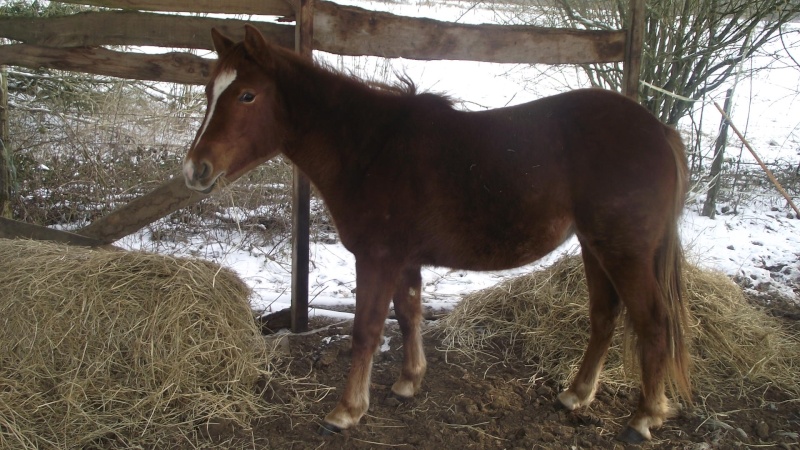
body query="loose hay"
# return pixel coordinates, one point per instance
(735, 347)
(124, 349)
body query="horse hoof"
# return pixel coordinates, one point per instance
(398, 397)
(328, 429)
(631, 436)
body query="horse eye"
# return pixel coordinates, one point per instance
(247, 97)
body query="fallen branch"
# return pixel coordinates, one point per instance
(12, 229)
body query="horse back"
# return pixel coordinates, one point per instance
(500, 188)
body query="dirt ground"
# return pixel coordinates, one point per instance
(492, 405)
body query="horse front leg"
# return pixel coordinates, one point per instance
(375, 282)
(408, 308)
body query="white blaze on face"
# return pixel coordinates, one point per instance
(224, 79)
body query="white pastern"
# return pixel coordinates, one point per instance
(223, 80)
(569, 400)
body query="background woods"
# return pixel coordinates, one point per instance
(691, 49)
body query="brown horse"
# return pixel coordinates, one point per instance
(410, 181)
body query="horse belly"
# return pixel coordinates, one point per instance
(504, 246)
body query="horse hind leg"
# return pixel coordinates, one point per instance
(408, 308)
(640, 293)
(604, 308)
(649, 320)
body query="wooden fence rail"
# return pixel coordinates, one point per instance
(170, 67)
(130, 28)
(260, 7)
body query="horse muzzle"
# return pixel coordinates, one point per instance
(200, 177)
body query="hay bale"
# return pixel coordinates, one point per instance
(123, 349)
(735, 347)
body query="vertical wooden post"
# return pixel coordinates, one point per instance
(6, 163)
(634, 42)
(301, 189)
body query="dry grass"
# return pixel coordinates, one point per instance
(120, 350)
(736, 348)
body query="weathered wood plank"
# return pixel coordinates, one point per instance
(348, 30)
(170, 67)
(12, 229)
(264, 7)
(634, 43)
(92, 29)
(138, 213)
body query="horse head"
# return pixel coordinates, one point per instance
(240, 129)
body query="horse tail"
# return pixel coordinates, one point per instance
(669, 262)
(668, 265)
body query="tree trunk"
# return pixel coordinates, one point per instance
(710, 205)
(6, 164)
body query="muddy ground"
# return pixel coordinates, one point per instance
(494, 405)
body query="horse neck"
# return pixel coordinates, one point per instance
(330, 118)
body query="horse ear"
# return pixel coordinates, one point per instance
(254, 42)
(221, 43)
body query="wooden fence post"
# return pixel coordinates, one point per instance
(301, 189)
(632, 64)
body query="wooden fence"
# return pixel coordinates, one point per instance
(75, 43)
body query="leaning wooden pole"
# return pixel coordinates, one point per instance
(12, 229)
(301, 190)
(140, 212)
(764, 167)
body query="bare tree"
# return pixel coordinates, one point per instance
(6, 166)
(691, 47)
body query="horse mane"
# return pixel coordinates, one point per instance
(291, 61)
(403, 86)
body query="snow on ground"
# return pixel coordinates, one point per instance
(759, 245)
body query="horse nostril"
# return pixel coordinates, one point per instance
(203, 171)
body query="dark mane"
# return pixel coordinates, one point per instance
(404, 86)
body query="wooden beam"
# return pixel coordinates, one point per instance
(348, 30)
(138, 213)
(12, 229)
(632, 65)
(91, 29)
(170, 67)
(301, 191)
(263, 7)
